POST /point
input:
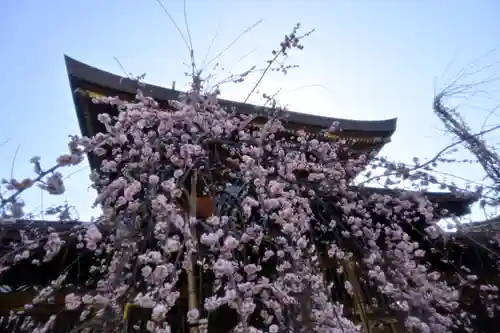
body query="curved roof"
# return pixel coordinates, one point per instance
(487, 226)
(82, 72)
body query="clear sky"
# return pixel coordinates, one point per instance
(366, 60)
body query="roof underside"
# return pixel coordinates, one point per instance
(79, 72)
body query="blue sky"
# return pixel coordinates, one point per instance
(366, 60)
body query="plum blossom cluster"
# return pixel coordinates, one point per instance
(49, 180)
(261, 252)
(265, 252)
(155, 153)
(279, 248)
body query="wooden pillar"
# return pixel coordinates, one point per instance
(357, 295)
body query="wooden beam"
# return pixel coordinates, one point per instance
(17, 301)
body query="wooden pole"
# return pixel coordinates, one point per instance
(358, 296)
(191, 283)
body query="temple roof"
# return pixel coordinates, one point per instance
(80, 73)
(480, 227)
(457, 204)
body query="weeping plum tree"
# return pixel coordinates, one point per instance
(285, 212)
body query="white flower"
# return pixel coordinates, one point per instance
(159, 312)
(72, 301)
(231, 243)
(154, 179)
(92, 237)
(146, 271)
(209, 239)
(193, 315)
(223, 267)
(54, 184)
(133, 189)
(172, 245)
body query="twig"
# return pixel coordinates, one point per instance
(14, 162)
(127, 74)
(191, 49)
(271, 62)
(210, 47)
(11, 198)
(247, 30)
(435, 158)
(175, 24)
(5, 142)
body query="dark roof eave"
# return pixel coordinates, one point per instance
(456, 204)
(108, 80)
(488, 226)
(468, 198)
(20, 224)
(436, 197)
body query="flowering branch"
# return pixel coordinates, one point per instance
(270, 250)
